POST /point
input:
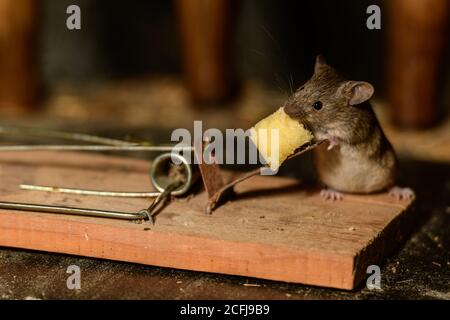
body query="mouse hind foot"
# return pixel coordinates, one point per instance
(331, 194)
(401, 193)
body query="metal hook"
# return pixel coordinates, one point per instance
(151, 211)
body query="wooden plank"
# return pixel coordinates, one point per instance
(275, 228)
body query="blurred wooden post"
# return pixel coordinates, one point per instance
(18, 30)
(417, 41)
(206, 34)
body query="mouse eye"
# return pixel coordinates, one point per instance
(317, 105)
(302, 88)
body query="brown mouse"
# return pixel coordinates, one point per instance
(358, 157)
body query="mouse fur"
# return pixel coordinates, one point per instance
(358, 157)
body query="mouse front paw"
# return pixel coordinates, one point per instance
(332, 142)
(330, 194)
(401, 193)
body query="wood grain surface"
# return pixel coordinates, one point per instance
(275, 228)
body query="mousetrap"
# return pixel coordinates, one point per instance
(265, 227)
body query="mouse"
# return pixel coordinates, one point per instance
(357, 157)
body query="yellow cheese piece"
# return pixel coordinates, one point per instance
(278, 136)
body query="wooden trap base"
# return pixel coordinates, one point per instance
(274, 229)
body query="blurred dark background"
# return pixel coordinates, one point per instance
(273, 39)
(166, 63)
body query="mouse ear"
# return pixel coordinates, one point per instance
(357, 91)
(320, 63)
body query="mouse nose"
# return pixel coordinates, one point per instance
(293, 110)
